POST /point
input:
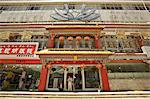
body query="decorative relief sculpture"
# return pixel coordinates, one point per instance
(146, 35)
(121, 35)
(26, 35)
(4, 35)
(83, 14)
(126, 45)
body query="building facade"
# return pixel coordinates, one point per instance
(77, 45)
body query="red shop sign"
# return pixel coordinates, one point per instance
(18, 48)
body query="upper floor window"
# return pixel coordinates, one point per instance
(112, 7)
(70, 6)
(139, 7)
(78, 6)
(3, 8)
(33, 8)
(148, 7)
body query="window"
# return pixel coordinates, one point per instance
(103, 7)
(71, 6)
(56, 77)
(148, 7)
(112, 7)
(78, 6)
(3, 8)
(139, 7)
(129, 67)
(91, 77)
(33, 8)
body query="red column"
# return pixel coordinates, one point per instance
(104, 77)
(43, 78)
(97, 42)
(51, 41)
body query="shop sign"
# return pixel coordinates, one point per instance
(17, 49)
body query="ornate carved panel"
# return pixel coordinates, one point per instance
(121, 35)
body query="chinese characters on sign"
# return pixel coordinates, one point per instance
(15, 49)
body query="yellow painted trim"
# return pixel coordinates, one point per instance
(73, 52)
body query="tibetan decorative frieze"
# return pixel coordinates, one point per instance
(4, 35)
(146, 35)
(121, 35)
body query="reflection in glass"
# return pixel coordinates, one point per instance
(91, 77)
(56, 77)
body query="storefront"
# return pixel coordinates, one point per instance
(81, 79)
(16, 57)
(85, 73)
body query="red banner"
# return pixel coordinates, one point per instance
(26, 49)
(17, 49)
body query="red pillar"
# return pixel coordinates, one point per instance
(43, 78)
(51, 41)
(97, 42)
(104, 77)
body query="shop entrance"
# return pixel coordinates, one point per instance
(60, 79)
(73, 78)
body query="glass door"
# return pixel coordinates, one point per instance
(73, 79)
(55, 78)
(92, 78)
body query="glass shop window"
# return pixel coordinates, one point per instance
(128, 68)
(91, 77)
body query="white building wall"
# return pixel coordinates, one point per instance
(134, 16)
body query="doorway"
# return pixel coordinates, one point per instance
(73, 78)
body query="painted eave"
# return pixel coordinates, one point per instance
(47, 52)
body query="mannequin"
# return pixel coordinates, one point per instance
(70, 83)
